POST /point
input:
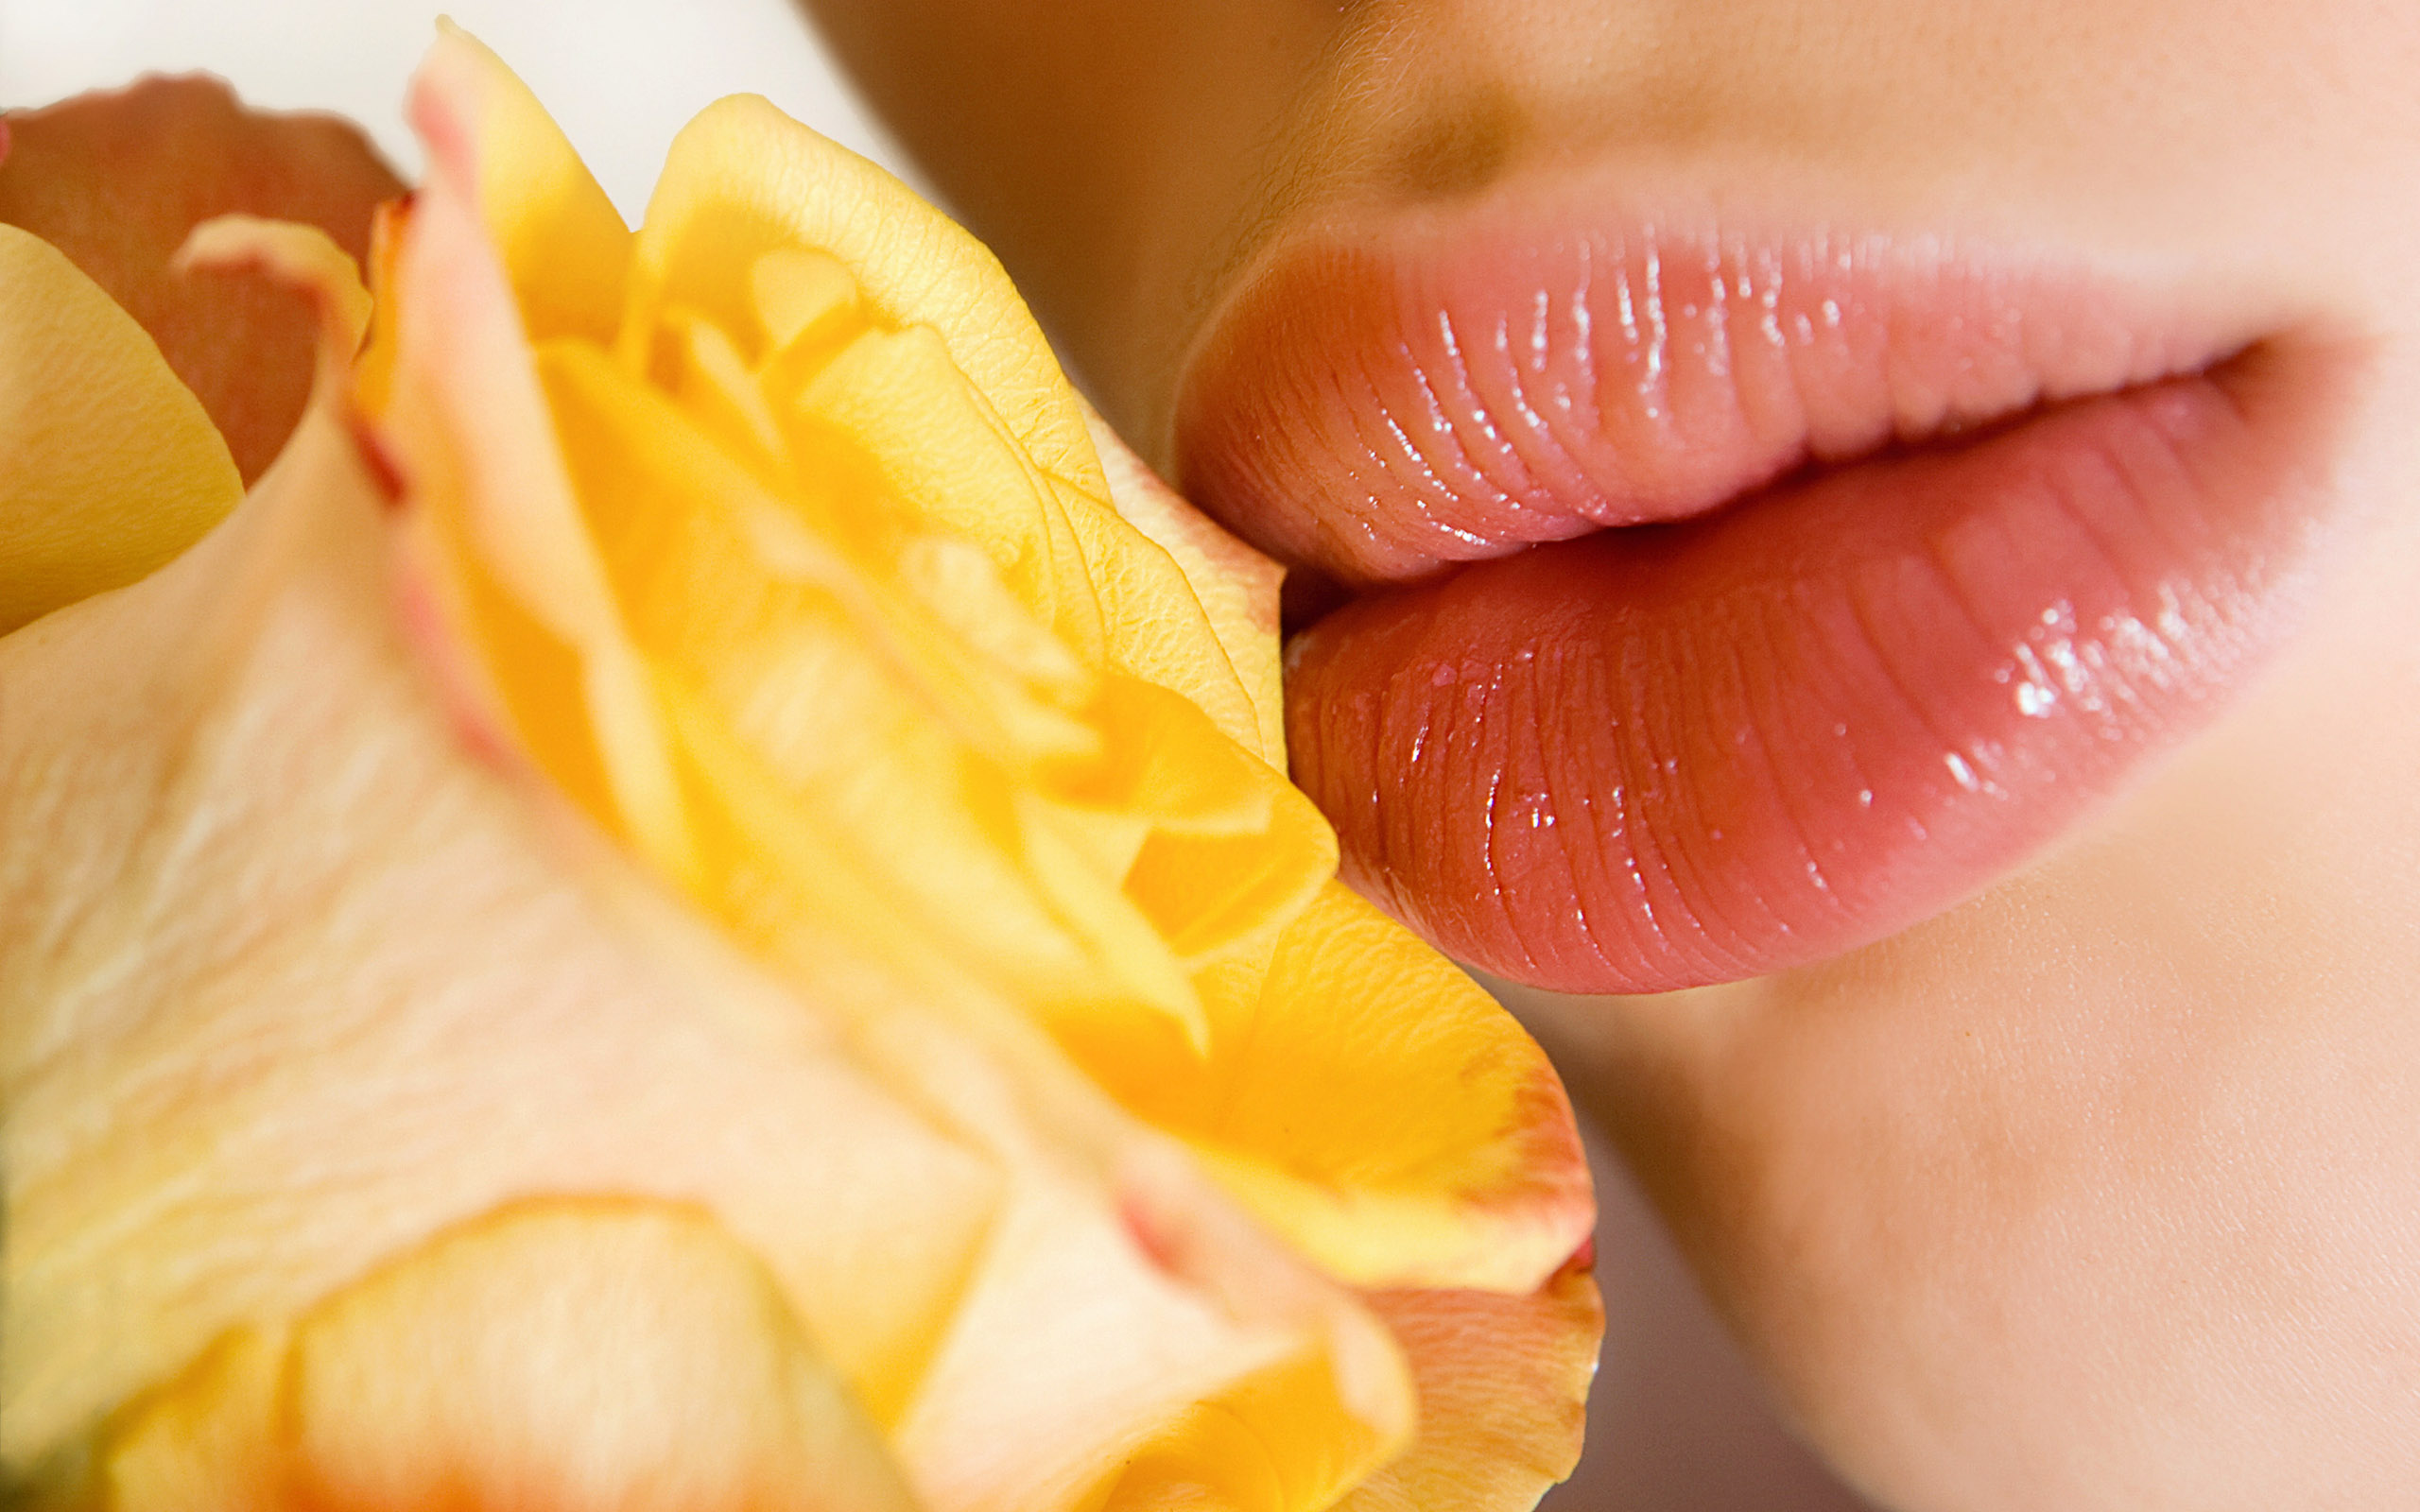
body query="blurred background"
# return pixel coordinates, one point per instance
(1677, 1424)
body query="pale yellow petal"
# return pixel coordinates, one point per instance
(506, 1018)
(1045, 1337)
(464, 402)
(743, 180)
(1236, 586)
(109, 468)
(206, 1441)
(578, 1356)
(566, 1355)
(948, 385)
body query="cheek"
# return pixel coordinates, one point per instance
(2101, 1160)
(2002, 1207)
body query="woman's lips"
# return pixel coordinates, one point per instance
(1812, 710)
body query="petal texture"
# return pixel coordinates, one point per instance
(1375, 1104)
(108, 465)
(1503, 1384)
(1237, 586)
(557, 1356)
(298, 978)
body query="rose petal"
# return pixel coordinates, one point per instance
(563, 1356)
(743, 181)
(1439, 1150)
(564, 247)
(116, 180)
(1503, 1395)
(296, 980)
(304, 259)
(464, 407)
(108, 466)
(208, 1441)
(1371, 1102)
(1237, 586)
(826, 808)
(1234, 852)
(743, 178)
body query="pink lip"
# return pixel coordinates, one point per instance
(1895, 562)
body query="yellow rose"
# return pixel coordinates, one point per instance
(685, 908)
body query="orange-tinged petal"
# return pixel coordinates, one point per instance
(300, 257)
(1503, 1395)
(108, 466)
(1371, 1102)
(116, 180)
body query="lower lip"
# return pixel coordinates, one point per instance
(1659, 757)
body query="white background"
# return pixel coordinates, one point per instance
(1676, 1425)
(622, 75)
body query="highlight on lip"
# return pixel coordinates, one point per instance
(1719, 598)
(1378, 402)
(1662, 757)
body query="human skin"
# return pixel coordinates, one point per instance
(2098, 1184)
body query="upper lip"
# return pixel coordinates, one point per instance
(1942, 541)
(1385, 399)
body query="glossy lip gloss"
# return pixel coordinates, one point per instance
(1880, 563)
